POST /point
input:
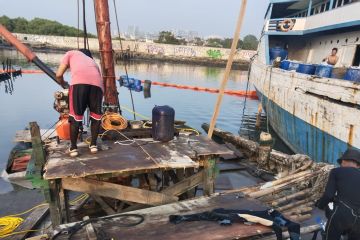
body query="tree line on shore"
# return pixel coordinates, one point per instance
(249, 42)
(39, 26)
(48, 27)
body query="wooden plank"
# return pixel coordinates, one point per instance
(157, 226)
(39, 237)
(177, 154)
(184, 185)
(90, 231)
(116, 191)
(228, 67)
(103, 205)
(34, 218)
(25, 136)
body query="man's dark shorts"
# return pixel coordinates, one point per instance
(82, 96)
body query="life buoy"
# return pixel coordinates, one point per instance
(286, 25)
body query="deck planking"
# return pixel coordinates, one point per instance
(179, 153)
(156, 225)
(25, 136)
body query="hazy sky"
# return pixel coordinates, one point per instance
(207, 17)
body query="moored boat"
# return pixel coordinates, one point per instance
(314, 107)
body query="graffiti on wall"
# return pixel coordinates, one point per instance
(216, 54)
(184, 51)
(154, 49)
(246, 54)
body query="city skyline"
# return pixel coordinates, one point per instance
(210, 19)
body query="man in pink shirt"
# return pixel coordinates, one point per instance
(86, 90)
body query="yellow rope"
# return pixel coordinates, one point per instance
(9, 223)
(131, 111)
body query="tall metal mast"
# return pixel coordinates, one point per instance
(106, 53)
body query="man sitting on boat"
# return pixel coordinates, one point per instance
(86, 90)
(332, 59)
(342, 190)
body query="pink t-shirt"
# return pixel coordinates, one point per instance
(84, 69)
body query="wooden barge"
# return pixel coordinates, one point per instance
(155, 180)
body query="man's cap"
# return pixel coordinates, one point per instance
(350, 154)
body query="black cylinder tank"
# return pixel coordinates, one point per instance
(163, 118)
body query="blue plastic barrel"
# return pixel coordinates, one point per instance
(353, 74)
(285, 64)
(137, 82)
(138, 88)
(127, 82)
(278, 52)
(306, 68)
(293, 66)
(324, 71)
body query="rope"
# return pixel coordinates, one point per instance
(122, 49)
(8, 225)
(78, 24)
(86, 40)
(131, 111)
(113, 121)
(268, 102)
(11, 222)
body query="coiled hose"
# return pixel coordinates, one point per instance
(113, 121)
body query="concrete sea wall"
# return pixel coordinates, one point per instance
(143, 48)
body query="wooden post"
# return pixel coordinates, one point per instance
(228, 67)
(188, 173)
(209, 176)
(52, 197)
(64, 204)
(34, 172)
(264, 150)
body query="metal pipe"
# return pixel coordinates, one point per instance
(10, 38)
(106, 52)
(309, 9)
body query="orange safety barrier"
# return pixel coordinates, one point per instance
(250, 94)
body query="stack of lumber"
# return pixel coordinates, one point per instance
(295, 194)
(299, 180)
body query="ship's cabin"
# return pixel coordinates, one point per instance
(308, 31)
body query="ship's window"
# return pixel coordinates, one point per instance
(327, 5)
(331, 41)
(356, 61)
(337, 41)
(346, 2)
(357, 39)
(346, 40)
(320, 43)
(339, 3)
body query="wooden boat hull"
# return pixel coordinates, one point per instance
(313, 116)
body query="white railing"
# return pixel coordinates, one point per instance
(345, 14)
